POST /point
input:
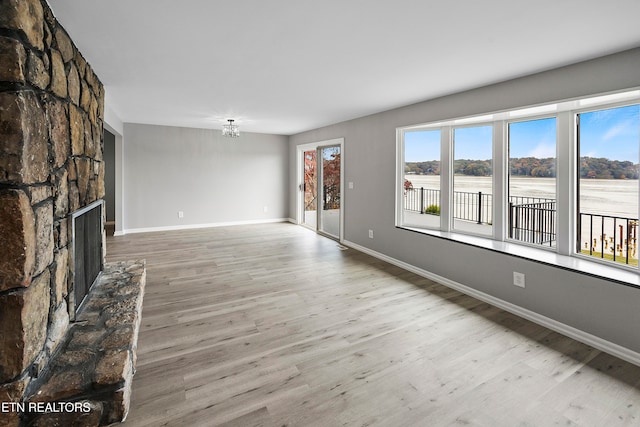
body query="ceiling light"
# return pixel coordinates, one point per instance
(231, 130)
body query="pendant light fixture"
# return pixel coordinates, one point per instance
(231, 129)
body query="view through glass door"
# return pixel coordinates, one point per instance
(310, 167)
(330, 190)
(320, 187)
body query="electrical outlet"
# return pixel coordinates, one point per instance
(518, 279)
(266, 209)
(371, 234)
(180, 214)
(350, 185)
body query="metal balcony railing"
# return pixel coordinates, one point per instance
(608, 237)
(533, 220)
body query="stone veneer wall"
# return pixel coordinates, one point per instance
(51, 119)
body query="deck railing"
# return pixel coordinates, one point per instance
(419, 199)
(474, 207)
(533, 220)
(609, 237)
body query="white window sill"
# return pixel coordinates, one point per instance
(577, 264)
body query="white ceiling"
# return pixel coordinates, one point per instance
(285, 66)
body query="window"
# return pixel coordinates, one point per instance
(607, 223)
(532, 181)
(472, 183)
(556, 177)
(421, 185)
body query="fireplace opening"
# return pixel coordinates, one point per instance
(87, 227)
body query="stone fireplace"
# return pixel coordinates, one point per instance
(51, 166)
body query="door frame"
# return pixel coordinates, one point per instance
(300, 183)
(119, 176)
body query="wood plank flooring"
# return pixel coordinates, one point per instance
(273, 325)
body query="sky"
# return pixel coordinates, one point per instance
(473, 143)
(533, 138)
(613, 134)
(420, 146)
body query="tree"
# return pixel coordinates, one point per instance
(477, 169)
(408, 185)
(310, 180)
(331, 178)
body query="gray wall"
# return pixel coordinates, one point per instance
(211, 179)
(109, 157)
(605, 309)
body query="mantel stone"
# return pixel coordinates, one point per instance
(17, 239)
(95, 364)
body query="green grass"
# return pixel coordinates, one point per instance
(609, 257)
(432, 209)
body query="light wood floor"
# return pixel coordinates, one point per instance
(273, 325)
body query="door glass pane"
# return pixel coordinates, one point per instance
(310, 193)
(608, 142)
(421, 186)
(330, 213)
(472, 180)
(532, 181)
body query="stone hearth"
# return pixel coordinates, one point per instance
(91, 374)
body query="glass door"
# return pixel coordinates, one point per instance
(320, 186)
(309, 189)
(329, 161)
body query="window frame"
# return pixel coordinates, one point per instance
(507, 142)
(496, 219)
(576, 185)
(400, 167)
(564, 253)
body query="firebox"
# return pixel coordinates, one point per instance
(87, 228)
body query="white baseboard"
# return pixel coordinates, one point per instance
(569, 331)
(194, 226)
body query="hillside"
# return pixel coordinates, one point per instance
(590, 167)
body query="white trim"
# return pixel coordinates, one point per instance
(111, 120)
(565, 183)
(579, 264)
(399, 187)
(300, 150)
(196, 226)
(602, 100)
(569, 331)
(114, 125)
(500, 175)
(446, 179)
